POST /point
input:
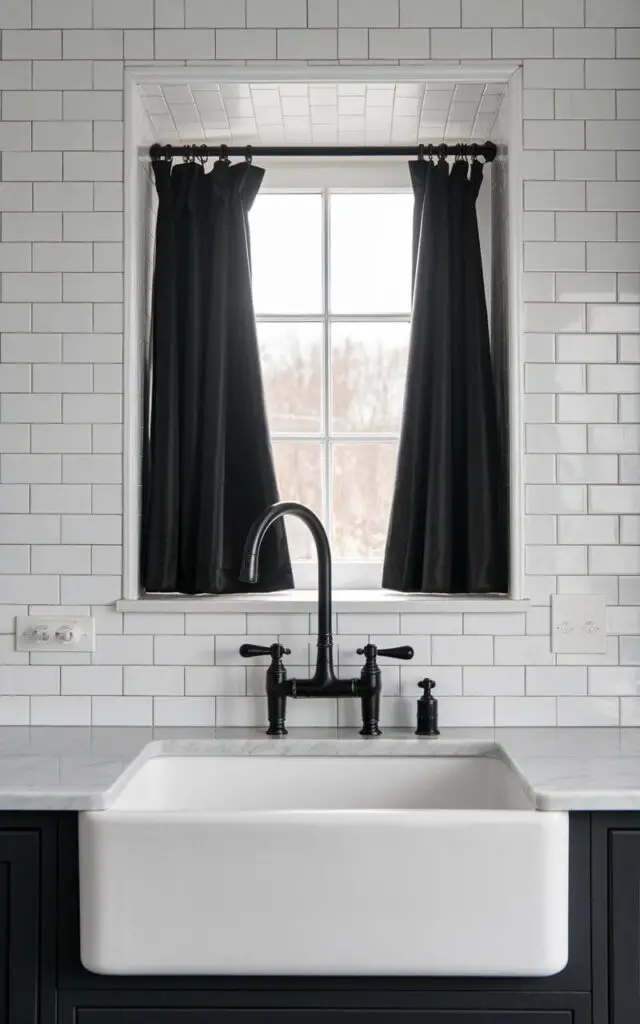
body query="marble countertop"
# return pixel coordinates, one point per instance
(80, 768)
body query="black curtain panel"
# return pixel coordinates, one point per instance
(448, 531)
(208, 466)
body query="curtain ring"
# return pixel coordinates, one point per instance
(224, 154)
(248, 155)
(442, 152)
(168, 153)
(430, 152)
(421, 152)
(203, 155)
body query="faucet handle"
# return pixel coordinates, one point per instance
(403, 653)
(255, 651)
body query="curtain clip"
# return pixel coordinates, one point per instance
(421, 152)
(248, 154)
(224, 154)
(203, 154)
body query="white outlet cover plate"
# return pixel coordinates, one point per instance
(578, 624)
(84, 625)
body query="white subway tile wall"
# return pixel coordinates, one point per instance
(61, 205)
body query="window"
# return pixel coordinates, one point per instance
(332, 294)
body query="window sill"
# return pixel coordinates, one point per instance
(343, 601)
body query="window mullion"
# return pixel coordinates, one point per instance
(327, 382)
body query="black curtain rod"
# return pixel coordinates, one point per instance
(487, 150)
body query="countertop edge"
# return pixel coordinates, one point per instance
(560, 770)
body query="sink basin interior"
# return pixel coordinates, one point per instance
(278, 783)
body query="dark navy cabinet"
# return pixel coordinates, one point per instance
(616, 917)
(42, 980)
(27, 939)
(184, 1015)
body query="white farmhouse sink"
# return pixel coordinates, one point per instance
(324, 865)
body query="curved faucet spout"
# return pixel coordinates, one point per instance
(249, 569)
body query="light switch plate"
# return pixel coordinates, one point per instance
(578, 624)
(55, 633)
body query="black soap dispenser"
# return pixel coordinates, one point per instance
(427, 710)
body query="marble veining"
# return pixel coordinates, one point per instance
(84, 769)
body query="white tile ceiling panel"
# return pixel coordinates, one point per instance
(349, 113)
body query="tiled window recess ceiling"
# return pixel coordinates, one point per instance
(61, 197)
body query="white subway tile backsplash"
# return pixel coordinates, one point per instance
(588, 711)
(629, 408)
(612, 195)
(586, 287)
(61, 710)
(153, 680)
(587, 104)
(124, 650)
(462, 650)
(556, 74)
(591, 529)
(494, 624)
(554, 195)
(25, 44)
(621, 439)
(616, 681)
(554, 377)
(184, 650)
(521, 711)
(460, 44)
(553, 439)
(558, 317)
(91, 679)
(612, 378)
(186, 711)
(555, 256)
(584, 42)
(540, 469)
(430, 13)
(205, 681)
(494, 680)
(519, 650)
(431, 623)
(585, 226)
(61, 403)
(585, 348)
(588, 165)
(121, 710)
(555, 134)
(523, 42)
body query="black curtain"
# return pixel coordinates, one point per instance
(448, 531)
(207, 464)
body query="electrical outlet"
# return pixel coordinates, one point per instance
(578, 624)
(55, 633)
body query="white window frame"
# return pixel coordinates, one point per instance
(326, 177)
(138, 137)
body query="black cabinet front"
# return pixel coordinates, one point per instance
(624, 916)
(442, 1015)
(19, 927)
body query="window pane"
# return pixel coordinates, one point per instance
(362, 480)
(299, 473)
(286, 253)
(371, 252)
(368, 368)
(291, 359)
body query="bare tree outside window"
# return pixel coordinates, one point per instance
(332, 293)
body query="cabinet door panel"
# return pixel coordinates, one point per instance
(19, 927)
(624, 926)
